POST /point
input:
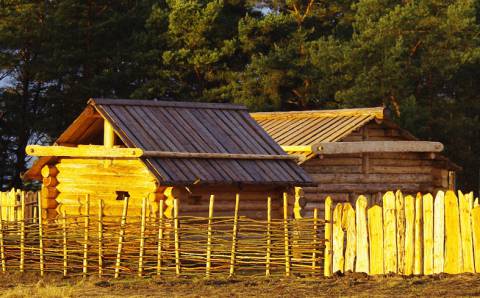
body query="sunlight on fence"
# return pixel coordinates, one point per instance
(125, 245)
(407, 235)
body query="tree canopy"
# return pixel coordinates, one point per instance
(421, 59)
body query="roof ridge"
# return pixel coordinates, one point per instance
(163, 103)
(377, 112)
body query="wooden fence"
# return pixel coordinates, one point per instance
(10, 203)
(408, 235)
(179, 246)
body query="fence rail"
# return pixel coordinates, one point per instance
(126, 245)
(407, 235)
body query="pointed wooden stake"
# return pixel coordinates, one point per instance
(85, 235)
(22, 231)
(327, 268)
(100, 238)
(439, 233)
(2, 244)
(177, 238)
(234, 236)
(362, 264)
(40, 233)
(428, 234)
(315, 241)
(338, 240)
(65, 249)
(269, 240)
(375, 233)
(160, 238)
(418, 264)
(142, 237)
(453, 244)
(286, 238)
(120, 237)
(209, 237)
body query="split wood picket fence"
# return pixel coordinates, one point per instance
(407, 235)
(117, 246)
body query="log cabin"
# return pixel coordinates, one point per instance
(164, 150)
(349, 152)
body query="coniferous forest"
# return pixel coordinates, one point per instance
(418, 58)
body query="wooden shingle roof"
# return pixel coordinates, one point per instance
(310, 128)
(187, 127)
(307, 128)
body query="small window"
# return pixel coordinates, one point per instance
(121, 195)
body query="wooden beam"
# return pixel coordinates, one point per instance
(306, 149)
(102, 151)
(378, 146)
(376, 112)
(83, 151)
(108, 134)
(167, 154)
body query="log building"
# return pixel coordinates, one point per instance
(164, 150)
(357, 151)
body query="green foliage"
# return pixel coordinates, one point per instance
(418, 58)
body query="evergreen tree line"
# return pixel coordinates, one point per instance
(419, 58)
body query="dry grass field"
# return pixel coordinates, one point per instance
(351, 285)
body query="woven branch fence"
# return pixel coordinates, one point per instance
(407, 235)
(142, 246)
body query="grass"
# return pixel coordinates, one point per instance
(30, 285)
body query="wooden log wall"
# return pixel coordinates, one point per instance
(67, 183)
(253, 205)
(344, 176)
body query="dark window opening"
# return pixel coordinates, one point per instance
(121, 195)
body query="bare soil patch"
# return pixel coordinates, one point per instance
(30, 285)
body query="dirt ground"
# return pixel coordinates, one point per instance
(12, 285)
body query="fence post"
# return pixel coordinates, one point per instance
(234, 236)
(476, 236)
(362, 263)
(466, 205)
(418, 264)
(269, 241)
(439, 233)
(375, 234)
(209, 236)
(327, 268)
(22, 231)
(64, 230)
(338, 239)
(40, 233)
(453, 245)
(177, 240)
(120, 237)
(390, 233)
(400, 208)
(160, 238)
(2, 246)
(285, 228)
(142, 237)
(348, 223)
(100, 238)
(315, 242)
(85, 235)
(409, 235)
(428, 234)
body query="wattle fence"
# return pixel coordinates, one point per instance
(408, 235)
(119, 246)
